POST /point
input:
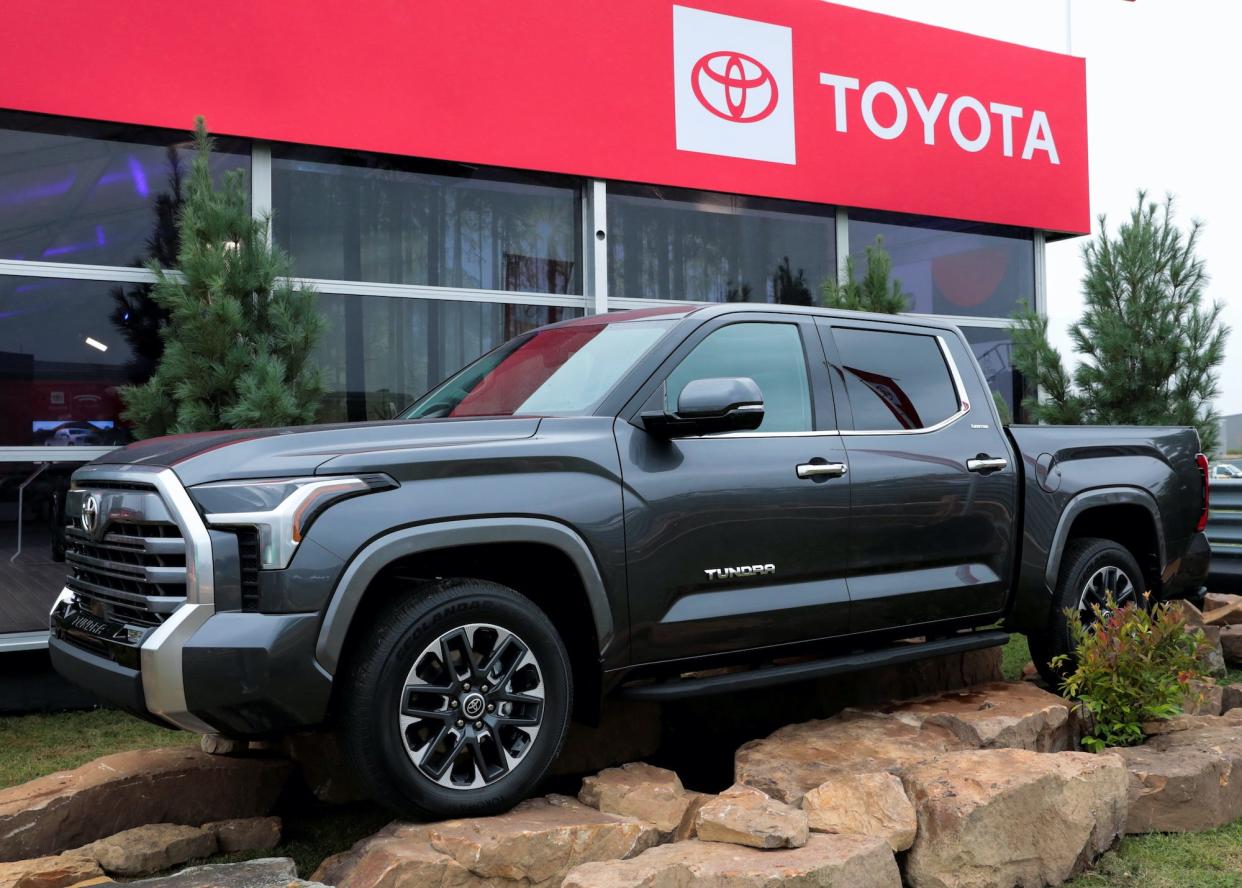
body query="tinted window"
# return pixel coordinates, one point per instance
(770, 354)
(360, 217)
(666, 243)
(993, 348)
(895, 380)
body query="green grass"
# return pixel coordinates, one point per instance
(34, 745)
(1201, 860)
(1014, 656)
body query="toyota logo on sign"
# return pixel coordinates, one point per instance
(734, 86)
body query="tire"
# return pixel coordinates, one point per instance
(387, 724)
(1085, 560)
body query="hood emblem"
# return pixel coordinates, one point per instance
(90, 514)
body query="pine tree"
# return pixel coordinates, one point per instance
(874, 292)
(1150, 346)
(239, 335)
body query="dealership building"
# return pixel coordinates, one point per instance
(448, 176)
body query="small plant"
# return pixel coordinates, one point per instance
(1131, 665)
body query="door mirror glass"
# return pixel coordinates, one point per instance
(709, 407)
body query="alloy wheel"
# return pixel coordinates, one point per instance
(1105, 581)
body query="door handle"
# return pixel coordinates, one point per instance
(821, 470)
(986, 463)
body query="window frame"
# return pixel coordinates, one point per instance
(827, 326)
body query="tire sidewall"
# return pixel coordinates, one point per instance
(1084, 562)
(471, 602)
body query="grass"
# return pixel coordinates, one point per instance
(1200, 860)
(1014, 656)
(34, 745)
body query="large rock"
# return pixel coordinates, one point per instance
(268, 872)
(151, 849)
(1222, 609)
(997, 715)
(639, 790)
(1005, 817)
(864, 804)
(1203, 698)
(797, 758)
(118, 792)
(57, 871)
(1212, 660)
(1231, 644)
(535, 844)
(1231, 697)
(744, 816)
(826, 861)
(1188, 778)
(246, 834)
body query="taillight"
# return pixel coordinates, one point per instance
(1202, 462)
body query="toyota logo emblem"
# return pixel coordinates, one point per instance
(734, 86)
(473, 705)
(90, 514)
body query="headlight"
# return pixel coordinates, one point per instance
(281, 509)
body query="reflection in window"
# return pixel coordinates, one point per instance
(667, 243)
(380, 353)
(993, 348)
(770, 354)
(77, 191)
(360, 217)
(30, 582)
(65, 348)
(895, 381)
(952, 272)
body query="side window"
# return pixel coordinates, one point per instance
(895, 381)
(770, 354)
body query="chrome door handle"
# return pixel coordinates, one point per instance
(986, 464)
(818, 470)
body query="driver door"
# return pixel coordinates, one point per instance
(729, 548)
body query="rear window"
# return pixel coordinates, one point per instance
(895, 381)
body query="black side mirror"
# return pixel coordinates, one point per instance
(709, 407)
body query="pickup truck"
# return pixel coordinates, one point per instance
(617, 505)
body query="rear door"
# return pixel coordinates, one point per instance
(934, 492)
(730, 544)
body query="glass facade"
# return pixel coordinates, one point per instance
(344, 216)
(961, 270)
(421, 266)
(667, 243)
(993, 348)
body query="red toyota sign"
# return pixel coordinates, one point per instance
(782, 98)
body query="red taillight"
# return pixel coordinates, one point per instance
(1202, 462)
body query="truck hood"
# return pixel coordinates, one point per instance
(301, 450)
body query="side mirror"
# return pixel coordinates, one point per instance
(708, 407)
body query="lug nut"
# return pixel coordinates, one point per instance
(452, 704)
(483, 689)
(460, 723)
(478, 725)
(465, 686)
(491, 707)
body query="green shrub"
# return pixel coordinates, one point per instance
(1132, 665)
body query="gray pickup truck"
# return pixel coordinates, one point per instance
(606, 506)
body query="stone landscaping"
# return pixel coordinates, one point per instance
(965, 787)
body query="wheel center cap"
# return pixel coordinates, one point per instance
(473, 704)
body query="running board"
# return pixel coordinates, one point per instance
(766, 676)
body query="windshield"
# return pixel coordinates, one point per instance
(558, 371)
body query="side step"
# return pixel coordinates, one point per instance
(766, 676)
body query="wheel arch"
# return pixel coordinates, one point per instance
(1126, 515)
(367, 568)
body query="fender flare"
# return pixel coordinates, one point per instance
(1091, 499)
(367, 563)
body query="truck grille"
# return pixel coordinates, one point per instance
(131, 568)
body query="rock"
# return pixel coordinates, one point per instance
(642, 791)
(794, 760)
(1007, 817)
(1192, 614)
(246, 834)
(864, 804)
(628, 731)
(1030, 672)
(1231, 697)
(1203, 698)
(1222, 610)
(218, 744)
(1212, 660)
(267, 872)
(151, 848)
(322, 768)
(826, 861)
(56, 871)
(998, 715)
(129, 789)
(744, 816)
(1231, 644)
(534, 844)
(1183, 780)
(689, 824)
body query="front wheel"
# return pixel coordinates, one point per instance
(1092, 570)
(456, 701)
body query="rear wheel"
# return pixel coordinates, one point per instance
(1091, 570)
(456, 701)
